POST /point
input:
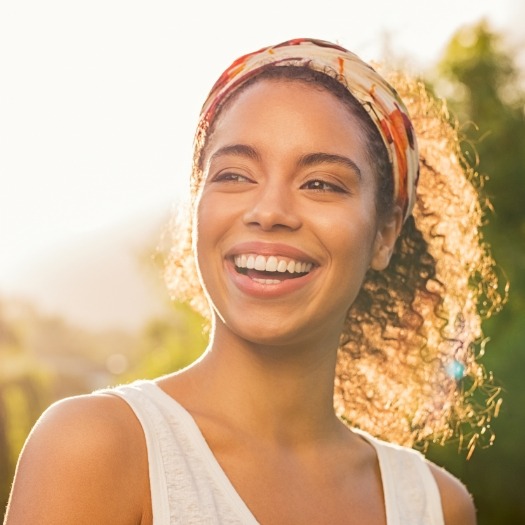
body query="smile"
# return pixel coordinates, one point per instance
(270, 269)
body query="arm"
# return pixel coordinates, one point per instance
(84, 462)
(458, 506)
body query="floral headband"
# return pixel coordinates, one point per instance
(376, 95)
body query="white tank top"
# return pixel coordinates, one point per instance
(189, 487)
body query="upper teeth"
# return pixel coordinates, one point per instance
(271, 264)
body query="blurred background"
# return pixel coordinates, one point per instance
(98, 102)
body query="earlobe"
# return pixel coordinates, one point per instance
(381, 258)
(385, 240)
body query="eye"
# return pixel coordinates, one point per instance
(323, 186)
(230, 176)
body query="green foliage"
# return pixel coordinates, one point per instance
(169, 344)
(481, 83)
(485, 94)
(24, 394)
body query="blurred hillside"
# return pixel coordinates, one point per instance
(103, 279)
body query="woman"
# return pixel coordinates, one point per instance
(316, 274)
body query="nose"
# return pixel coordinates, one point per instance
(273, 207)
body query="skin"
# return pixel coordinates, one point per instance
(262, 393)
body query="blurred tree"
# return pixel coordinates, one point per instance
(23, 396)
(478, 77)
(169, 344)
(482, 87)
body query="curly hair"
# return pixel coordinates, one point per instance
(408, 368)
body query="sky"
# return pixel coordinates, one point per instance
(99, 99)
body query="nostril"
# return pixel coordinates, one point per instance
(272, 217)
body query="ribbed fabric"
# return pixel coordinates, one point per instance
(189, 487)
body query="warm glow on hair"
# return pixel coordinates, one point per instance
(407, 370)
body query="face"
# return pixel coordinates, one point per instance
(286, 221)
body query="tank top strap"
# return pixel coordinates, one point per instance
(147, 413)
(411, 493)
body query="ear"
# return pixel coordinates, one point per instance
(386, 236)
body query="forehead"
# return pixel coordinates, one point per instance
(268, 91)
(293, 111)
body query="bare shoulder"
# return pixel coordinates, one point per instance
(82, 449)
(458, 505)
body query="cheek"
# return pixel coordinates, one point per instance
(202, 234)
(205, 215)
(211, 221)
(352, 245)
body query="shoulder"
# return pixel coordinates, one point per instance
(458, 505)
(97, 424)
(81, 449)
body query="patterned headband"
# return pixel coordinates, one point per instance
(379, 98)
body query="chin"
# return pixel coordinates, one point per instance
(278, 331)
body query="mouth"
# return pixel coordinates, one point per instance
(270, 269)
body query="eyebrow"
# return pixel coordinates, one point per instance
(239, 150)
(331, 158)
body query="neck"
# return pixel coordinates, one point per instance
(282, 393)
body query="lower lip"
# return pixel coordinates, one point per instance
(267, 291)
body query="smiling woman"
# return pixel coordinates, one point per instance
(343, 301)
